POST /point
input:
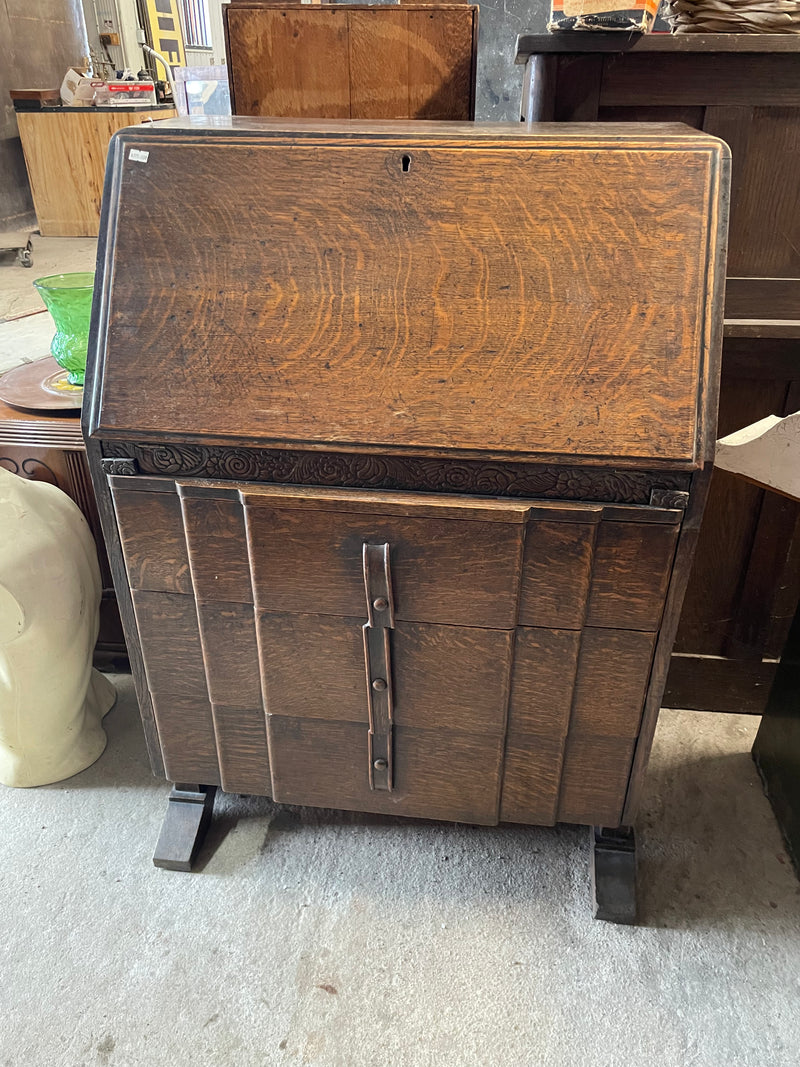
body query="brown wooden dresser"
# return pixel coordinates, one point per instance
(401, 434)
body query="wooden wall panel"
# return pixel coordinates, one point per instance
(336, 61)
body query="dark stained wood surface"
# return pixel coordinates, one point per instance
(524, 643)
(744, 89)
(703, 43)
(432, 358)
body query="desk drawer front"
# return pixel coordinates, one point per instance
(522, 630)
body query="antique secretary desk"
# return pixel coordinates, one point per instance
(401, 435)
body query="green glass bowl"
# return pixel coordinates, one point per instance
(68, 298)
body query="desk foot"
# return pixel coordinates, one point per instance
(184, 827)
(613, 867)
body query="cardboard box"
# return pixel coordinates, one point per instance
(604, 15)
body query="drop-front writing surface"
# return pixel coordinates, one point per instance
(537, 296)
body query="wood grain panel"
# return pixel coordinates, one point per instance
(289, 61)
(462, 573)
(216, 541)
(440, 63)
(452, 776)
(765, 223)
(379, 70)
(543, 679)
(241, 735)
(531, 777)
(444, 677)
(151, 532)
(594, 780)
(482, 291)
(451, 677)
(632, 567)
(556, 573)
(173, 661)
(228, 635)
(611, 683)
(313, 666)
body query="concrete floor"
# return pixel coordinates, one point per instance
(311, 937)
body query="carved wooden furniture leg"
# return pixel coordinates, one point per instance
(184, 827)
(614, 874)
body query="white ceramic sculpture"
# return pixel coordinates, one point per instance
(51, 699)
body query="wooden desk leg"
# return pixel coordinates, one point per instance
(613, 867)
(184, 827)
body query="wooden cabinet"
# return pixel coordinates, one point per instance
(744, 88)
(65, 154)
(352, 61)
(394, 528)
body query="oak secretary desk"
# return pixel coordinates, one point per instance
(401, 435)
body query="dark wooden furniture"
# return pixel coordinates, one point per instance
(402, 442)
(415, 61)
(51, 449)
(746, 90)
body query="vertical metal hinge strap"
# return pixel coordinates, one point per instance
(378, 662)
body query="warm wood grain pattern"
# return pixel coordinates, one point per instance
(241, 735)
(736, 605)
(631, 574)
(545, 662)
(379, 64)
(432, 359)
(436, 775)
(531, 777)
(612, 678)
(289, 61)
(353, 61)
(556, 575)
(462, 573)
(594, 780)
(151, 532)
(478, 717)
(441, 62)
(215, 535)
(230, 652)
(169, 636)
(65, 155)
(444, 677)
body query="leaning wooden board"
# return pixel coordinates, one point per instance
(402, 442)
